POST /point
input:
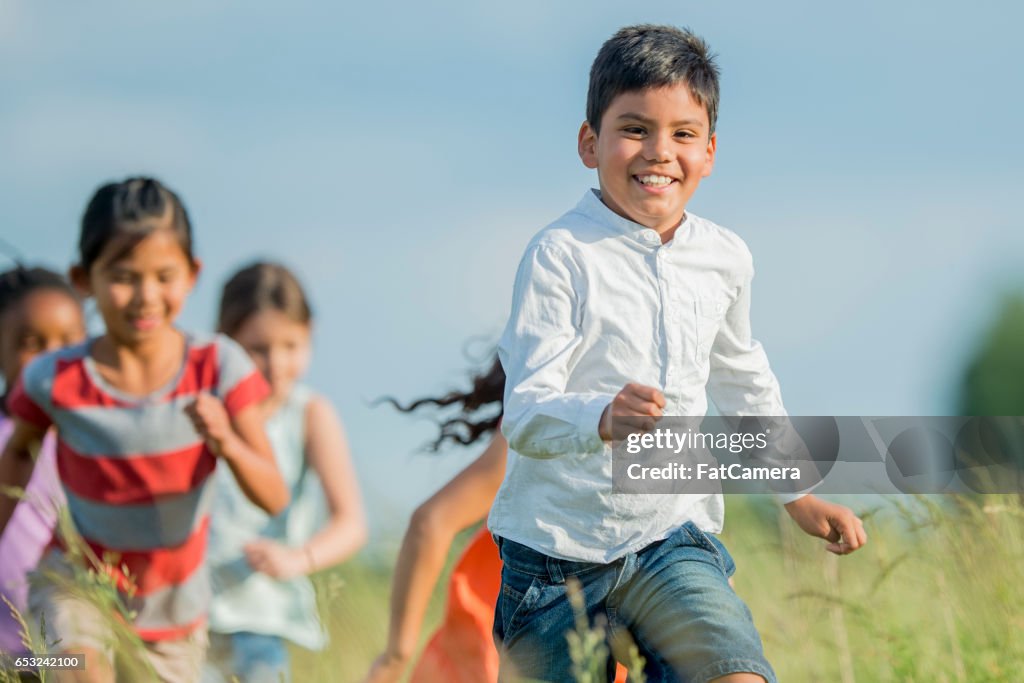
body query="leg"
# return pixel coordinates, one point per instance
(534, 615)
(73, 624)
(218, 665)
(98, 668)
(180, 659)
(260, 658)
(531, 620)
(688, 623)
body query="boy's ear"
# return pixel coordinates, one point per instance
(712, 148)
(587, 145)
(79, 279)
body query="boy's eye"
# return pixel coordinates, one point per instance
(685, 134)
(633, 130)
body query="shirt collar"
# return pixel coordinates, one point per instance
(595, 209)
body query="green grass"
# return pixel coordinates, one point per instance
(937, 595)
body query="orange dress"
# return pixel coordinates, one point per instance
(462, 649)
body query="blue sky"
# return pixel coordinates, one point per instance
(400, 155)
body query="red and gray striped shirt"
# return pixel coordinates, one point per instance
(137, 474)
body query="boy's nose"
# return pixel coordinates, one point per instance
(657, 149)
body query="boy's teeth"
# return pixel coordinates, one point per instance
(654, 179)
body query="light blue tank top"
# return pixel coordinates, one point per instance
(246, 600)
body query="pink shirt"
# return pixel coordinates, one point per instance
(27, 534)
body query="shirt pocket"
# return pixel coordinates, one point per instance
(708, 314)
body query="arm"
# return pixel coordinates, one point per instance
(542, 419)
(345, 531)
(16, 464)
(463, 501)
(329, 456)
(741, 381)
(241, 442)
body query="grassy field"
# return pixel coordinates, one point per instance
(937, 595)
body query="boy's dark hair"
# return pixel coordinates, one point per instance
(128, 212)
(258, 287)
(649, 56)
(467, 426)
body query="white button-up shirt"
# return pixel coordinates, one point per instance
(599, 302)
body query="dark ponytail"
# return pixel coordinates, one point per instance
(472, 421)
(128, 212)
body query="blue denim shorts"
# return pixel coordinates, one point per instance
(672, 597)
(251, 657)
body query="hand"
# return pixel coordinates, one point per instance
(837, 524)
(276, 560)
(387, 668)
(635, 408)
(210, 418)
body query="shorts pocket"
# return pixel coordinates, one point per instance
(713, 546)
(519, 592)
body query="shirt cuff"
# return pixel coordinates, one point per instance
(785, 498)
(588, 422)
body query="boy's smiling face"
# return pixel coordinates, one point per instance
(653, 149)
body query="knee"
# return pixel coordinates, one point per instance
(97, 668)
(742, 677)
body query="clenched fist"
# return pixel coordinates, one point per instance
(277, 560)
(210, 418)
(635, 408)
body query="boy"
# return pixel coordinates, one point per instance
(628, 306)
